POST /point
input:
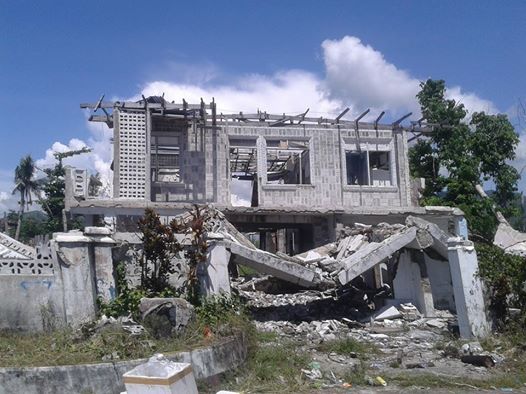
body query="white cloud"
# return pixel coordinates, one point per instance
(290, 91)
(471, 101)
(360, 75)
(7, 199)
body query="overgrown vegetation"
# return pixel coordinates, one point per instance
(219, 318)
(505, 277)
(271, 368)
(161, 256)
(462, 153)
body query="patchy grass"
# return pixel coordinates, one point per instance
(357, 376)
(265, 337)
(349, 347)
(271, 368)
(429, 380)
(67, 346)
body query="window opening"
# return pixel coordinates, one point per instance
(368, 168)
(243, 173)
(288, 162)
(165, 159)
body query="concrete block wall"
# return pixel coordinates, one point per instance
(328, 188)
(204, 164)
(60, 285)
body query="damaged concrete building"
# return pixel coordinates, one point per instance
(319, 192)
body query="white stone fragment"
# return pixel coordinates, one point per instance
(387, 313)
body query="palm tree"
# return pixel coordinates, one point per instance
(25, 185)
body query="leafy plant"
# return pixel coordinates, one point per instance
(213, 310)
(160, 246)
(195, 254)
(505, 276)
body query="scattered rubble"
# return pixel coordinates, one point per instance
(126, 323)
(398, 336)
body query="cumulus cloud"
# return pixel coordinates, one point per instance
(360, 75)
(291, 91)
(7, 199)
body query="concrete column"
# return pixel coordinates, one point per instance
(467, 289)
(213, 274)
(409, 285)
(77, 276)
(281, 240)
(461, 224)
(101, 250)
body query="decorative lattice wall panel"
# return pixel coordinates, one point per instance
(132, 154)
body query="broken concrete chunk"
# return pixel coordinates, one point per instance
(510, 240)
(387, 313)
(174, 313)
(436, 323)
(409, 311)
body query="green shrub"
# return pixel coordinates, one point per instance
(505, 277)
(127, 301)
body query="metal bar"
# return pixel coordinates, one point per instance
(361, 116)
(342, 114)
(378, 119)
(134, 105)
(414, 137)
(396, 123)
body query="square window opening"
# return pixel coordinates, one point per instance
(371, 168)
(288, 162)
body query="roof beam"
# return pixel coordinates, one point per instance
(397, 122)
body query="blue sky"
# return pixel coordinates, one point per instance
(56, 54)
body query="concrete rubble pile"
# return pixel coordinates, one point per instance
(357, 250)
(405, 340)
(357, 274)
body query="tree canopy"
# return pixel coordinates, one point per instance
(461, 153)
(26, 185)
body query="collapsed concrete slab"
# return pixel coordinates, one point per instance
(439, 237)
(11, 248)
(374, 253)
(269, 263)
(510, 240)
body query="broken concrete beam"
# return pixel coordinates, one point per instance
(374, 253)
(510, 240)
(350, 245)
(322, 251)
(268, 263)
(439, 237)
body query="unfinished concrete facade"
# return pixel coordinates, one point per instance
(305, 179)
(315, 170)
